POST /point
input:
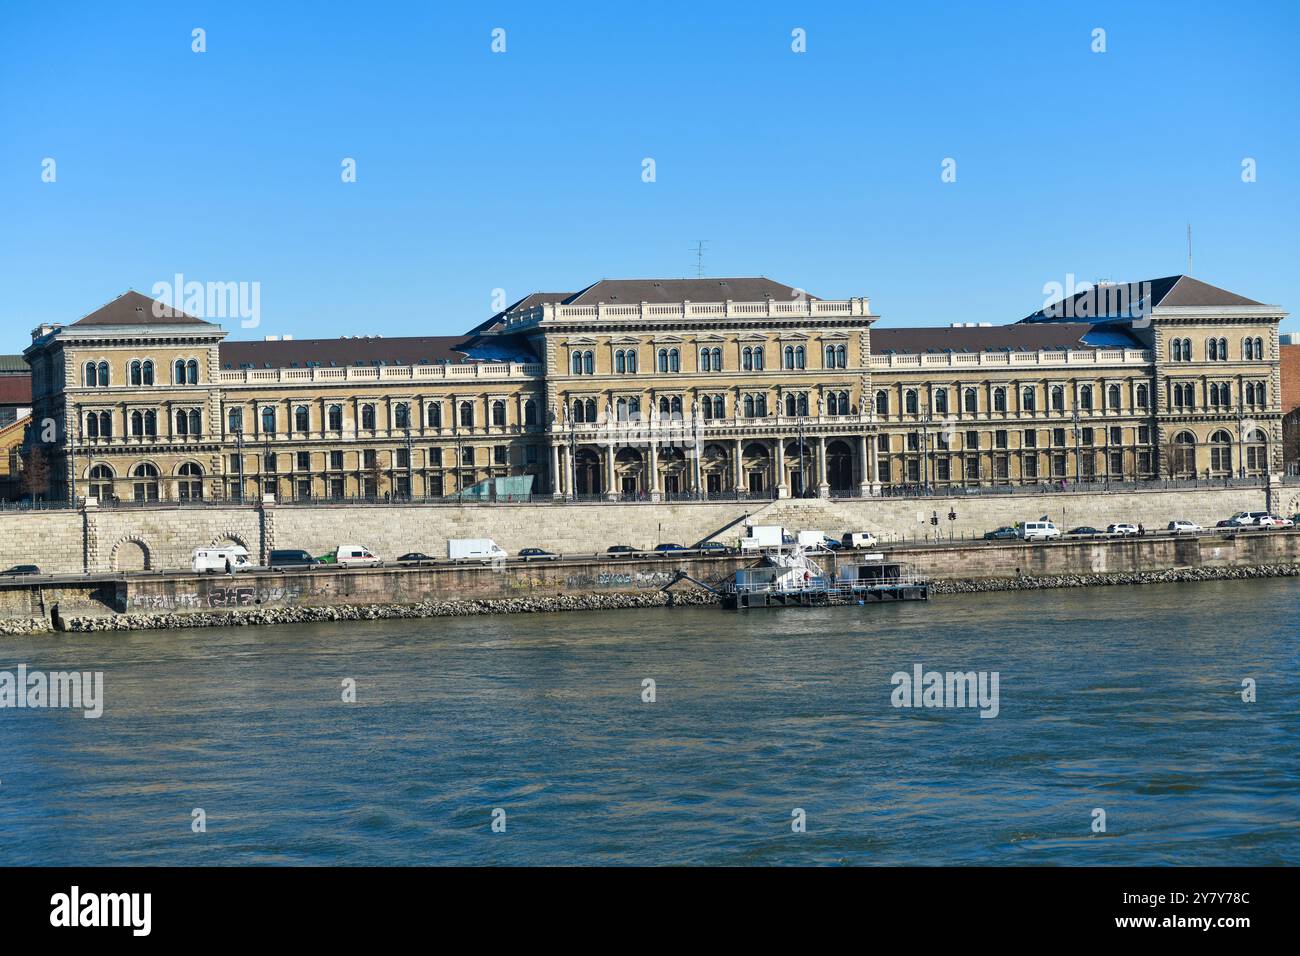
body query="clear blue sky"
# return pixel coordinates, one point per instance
(522, 170)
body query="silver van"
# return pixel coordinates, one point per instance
(1038, 531)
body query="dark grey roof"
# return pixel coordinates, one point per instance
(1121, 300)
(754, 289)
(14, 365)
(999, 338)
(372, 350)
(133, 308)
(527, 302)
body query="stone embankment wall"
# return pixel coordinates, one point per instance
(99, 540)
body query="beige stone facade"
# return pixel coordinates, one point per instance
(658, 389)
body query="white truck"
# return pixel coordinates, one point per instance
(813, 540)
(759, 537)
(474, 549)
(216, 559)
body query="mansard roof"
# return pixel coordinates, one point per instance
(134, 309)
(372, 350)
(1094, 303)
(1019, 337)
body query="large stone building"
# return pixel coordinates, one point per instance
(667, 388)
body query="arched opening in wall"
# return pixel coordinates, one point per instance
(672, 470)
(1221, 453)
(189, 482)
(1256, 452)
(131, 555)
(839, 466)
(801, 470)
(101, 483)
(1182, 455)
(756, 465)
(629, 472)
(586, 472)
(145, 482)
(715, 466)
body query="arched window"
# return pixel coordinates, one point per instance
(575, 363)
(841, 356)
(268, 421)
(1221, 452)
(791, 406)
(467, 414)
(1259, 349)
(106, 424)
(145, 482)
(178, 372)
(182, 422)
(92, 375)
(368, 417)
(191, 372)
(758, 358)
(137, 424)
(760, 406)
(717, 359)
(1028, 398)
(196, 422)
(662, 356)
(1113, 396)
(334, 417)
(706, 360)
(101, 483)
(1142, 396)
(830, 356)
(590, 405)
(578, 415)
(800, 360)
(1248, 349)
(1212, 349)
(498, 413)
(631, 361)
(301, 419)
(402, 415)
(674, 360)
(882, 402)
(103, 374)
(788, 356)
(1085, 397)
(1184, 454)
(189, 486)
(971, 401)
(747, 359)
(433, 414)
(910, 401)
(92, 425)
(151, 423)
(1058, 398)
(137, 372)
(588, 362)
(620, 362)
(1256, 452)
(941, 401)
(148, 371)
(749, 406)
(530, 412)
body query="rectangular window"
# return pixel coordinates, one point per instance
(530, 454)
(1144, 434)
(336, 461)
(1058, 466)
(304, 488)
(972, 468)
(1058, 437)
(972, 439)
(1116, 435)
(1117, 463)
(913, 470)
(500, 455)
(435, 457)
(467, 455)
(234, 464)
(1029, 467)
(402, 458)
(1000, 468)
(882, 471)
(1031, 439)
(268, 462)
(1085, 436)
(368, 458)
(1000, 439)
(882, 443)
(913, 441)
(304, 461)
(336, 487)
(943, 469)
(1144, 462)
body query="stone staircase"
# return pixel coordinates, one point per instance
(804, 514)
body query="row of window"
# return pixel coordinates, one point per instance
(143, 424)
(583, 361)
(140, 372)
(144, 481)
(711, 406)
(301, 417)
(1028, 399)
(1216, 349)
(1218, 394)
(1058, 438)
(368, 459)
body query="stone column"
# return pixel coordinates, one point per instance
(823, 485)
(737, 468)
(782, 489)
(865, 477)
(555, 470)
(654, 470)
(611, 493)
(873, 462)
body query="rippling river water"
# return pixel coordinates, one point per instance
(1125, 699)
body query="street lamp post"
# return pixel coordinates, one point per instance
(1078, 457)
(72, 449)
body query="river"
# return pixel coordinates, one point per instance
(1124, 699)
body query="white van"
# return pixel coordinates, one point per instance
(353, 556)
(214, 559)
(474, 549)
(858, 539)
(1038, 530)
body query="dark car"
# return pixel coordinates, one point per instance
(412, 556)
(23, 569)
(1000, 534)
(713, 547)
(292, 558)
(1227, 523)
(527, 553)
(661, 548)
(620, 549)
(1084, 532)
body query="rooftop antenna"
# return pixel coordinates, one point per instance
(699, 257)
(1189, 248)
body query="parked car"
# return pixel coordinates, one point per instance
(663, 548)
(1184, 527)
(830, 544)
(1039, 531)
(234, 558)
(23, 569)
(1001, 534)
(1227, 523)
(291, 558)
(1083, 531)
(537, 553)
(620, 549)
(713, 547)
(1275, 521)
(1248, 519)
(413, 556)
(859, 539)
(1122, 529)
